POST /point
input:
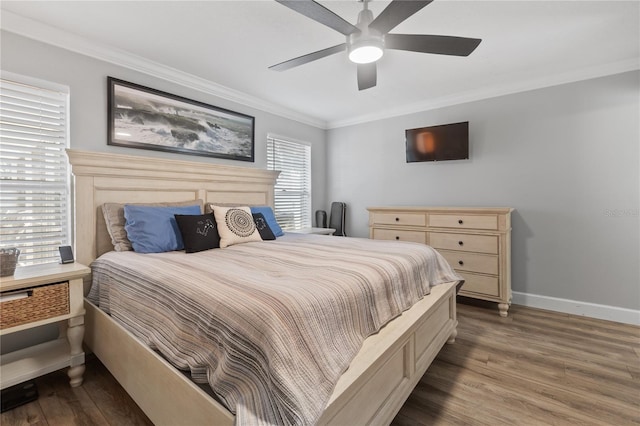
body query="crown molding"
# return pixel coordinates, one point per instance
(45, 33)
(494, 91)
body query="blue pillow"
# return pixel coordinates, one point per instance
(154, 229)
(267, 212)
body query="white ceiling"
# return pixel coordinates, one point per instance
(526, 44)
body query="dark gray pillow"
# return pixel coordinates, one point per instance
(263, 227)
(199, 232)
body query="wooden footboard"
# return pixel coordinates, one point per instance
(165, 395)
(390, 364)
(372, 390)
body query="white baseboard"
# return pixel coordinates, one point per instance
(593, 310)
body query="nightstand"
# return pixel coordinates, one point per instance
(317, 231)
(39, 295)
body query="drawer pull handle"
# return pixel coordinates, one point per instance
(397, 219)
(397, 238)
(460, 221)
(460, 243)
(460, 262)
(8, 297)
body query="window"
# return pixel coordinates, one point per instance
(293, 189)
(34, 184)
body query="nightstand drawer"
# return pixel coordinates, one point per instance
(473, 262)
(480, 285)
(463, 221)
(464, 242)
(391, 234)
(34, 304)
(406, 219)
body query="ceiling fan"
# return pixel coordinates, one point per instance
(367, 39)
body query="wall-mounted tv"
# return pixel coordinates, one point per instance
(438, 143)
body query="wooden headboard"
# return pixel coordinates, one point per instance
(111, 178)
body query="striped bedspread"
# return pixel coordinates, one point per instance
(270, 326)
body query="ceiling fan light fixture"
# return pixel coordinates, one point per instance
(367, 40)
(365, 54)
(365, 47)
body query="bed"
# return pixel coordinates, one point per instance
(379, 378)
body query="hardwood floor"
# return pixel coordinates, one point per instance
(533, 368)
(99, 401)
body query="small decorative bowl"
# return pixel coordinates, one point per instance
(8, 261)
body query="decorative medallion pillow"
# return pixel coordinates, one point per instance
(114, 217)
(154, 229)
(263, 228)
(199, 232)
(270, 218)
(208, 207)
(235, 225)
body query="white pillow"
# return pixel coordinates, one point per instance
(235, 225)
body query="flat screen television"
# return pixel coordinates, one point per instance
(438, 143)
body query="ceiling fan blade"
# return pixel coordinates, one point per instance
(321, 14)
(395, 13)
(301, 60)
(437, 44)
(367, 75)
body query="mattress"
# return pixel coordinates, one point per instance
(270, 326)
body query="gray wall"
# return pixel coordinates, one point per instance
(566, 158)
(87, 80)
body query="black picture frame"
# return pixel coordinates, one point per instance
(145, 118)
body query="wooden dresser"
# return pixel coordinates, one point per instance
(475, 241)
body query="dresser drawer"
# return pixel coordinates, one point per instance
(40, 303)
(473, 262)
(480, 285)
(462, 221)
(407, 219)
(390, 234)
(464, 242)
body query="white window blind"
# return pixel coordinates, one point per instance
(34, 185)
(293, 189)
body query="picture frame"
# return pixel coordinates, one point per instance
(145, 118)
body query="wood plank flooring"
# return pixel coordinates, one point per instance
(533, 368)
(99, 401)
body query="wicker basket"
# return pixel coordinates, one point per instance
(43, 302)
(8, 261)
